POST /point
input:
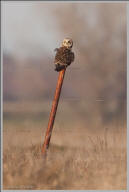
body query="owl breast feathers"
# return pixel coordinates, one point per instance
(63, 58)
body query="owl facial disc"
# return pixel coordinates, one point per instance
(68, 43)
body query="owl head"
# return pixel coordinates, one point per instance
(67, 42)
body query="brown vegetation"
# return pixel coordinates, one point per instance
(79, 157)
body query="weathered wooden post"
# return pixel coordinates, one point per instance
(53, 111)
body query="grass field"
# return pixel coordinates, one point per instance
(79, 157)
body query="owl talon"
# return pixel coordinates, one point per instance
(59, 67)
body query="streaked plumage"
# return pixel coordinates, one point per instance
(64, 56)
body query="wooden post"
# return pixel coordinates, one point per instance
(53, 111)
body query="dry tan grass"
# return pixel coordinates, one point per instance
(87, 161)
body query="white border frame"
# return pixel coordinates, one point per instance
(2, 90)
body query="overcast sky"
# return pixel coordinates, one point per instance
(31, 28)
(27, 30)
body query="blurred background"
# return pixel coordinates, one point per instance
(94, 89)
(88, 143)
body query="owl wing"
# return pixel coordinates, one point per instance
(56, 49)
(72, 57)
(60, 56)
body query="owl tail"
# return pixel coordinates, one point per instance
(59, 67)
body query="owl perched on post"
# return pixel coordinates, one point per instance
(64, 56)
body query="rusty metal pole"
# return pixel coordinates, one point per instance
(53, 111)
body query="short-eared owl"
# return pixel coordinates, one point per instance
(64, 55)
